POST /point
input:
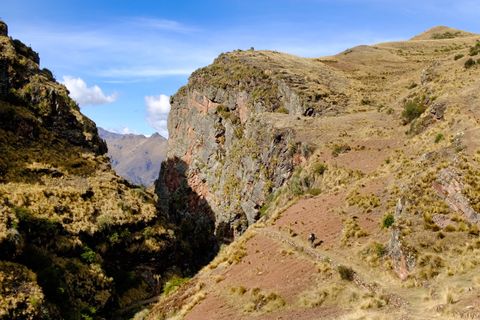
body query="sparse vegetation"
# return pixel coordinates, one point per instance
(439, 137)
(446, 35)
(172, 284)
(346, 273)
(475, 50)
(412, 110)
(388, 220)
(282, 110)
(256, 300)
(319, 168)
(351, 230)
(469, 63)
(338, 149)
(458, 56)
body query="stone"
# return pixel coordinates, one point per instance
(403, 259)
(3, 29)
(449, 187)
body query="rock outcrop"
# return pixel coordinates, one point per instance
(3, 29)
(224, 145)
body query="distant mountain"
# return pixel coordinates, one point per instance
(135, 157)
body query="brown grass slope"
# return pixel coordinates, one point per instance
(76, 240)
(391, 192)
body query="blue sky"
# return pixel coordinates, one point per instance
(122, 59)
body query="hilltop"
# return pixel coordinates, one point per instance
(374, 150)
(135, 157)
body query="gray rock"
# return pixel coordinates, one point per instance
(3, 29)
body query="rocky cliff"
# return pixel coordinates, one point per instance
(386, 179)
(226, 147)
(76, 241)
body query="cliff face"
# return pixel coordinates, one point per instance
(390, 189)
(76, 241)
(226, 147)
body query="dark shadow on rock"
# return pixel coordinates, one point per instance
(190, 212)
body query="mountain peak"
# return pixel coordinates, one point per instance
(442, 32)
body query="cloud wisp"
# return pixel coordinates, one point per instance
(85, 95)
(157, 108)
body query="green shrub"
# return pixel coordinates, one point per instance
(88, 255)
(388, 220)
(339, 149)
(412, 110)
(172, 284)
(346, 273)
(380, 249)
(445, 35)
(366, 101)
(458, 56)
(319, 168)
(439, 137)
(475, 50)
(469, 63)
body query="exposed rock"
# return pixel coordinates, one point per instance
(223, 134)
(3, 29)
(403, 259)
(438, 110)
(449, 187)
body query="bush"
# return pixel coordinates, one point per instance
(346, 273)
(439, 137)
(88, 255)
(319, 168)
(172, 284)
(388, 220)
(412, 110)
(475, 50)
(458, 56)
(469, 63)
(339, 149)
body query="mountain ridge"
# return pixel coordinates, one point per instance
(137, 158)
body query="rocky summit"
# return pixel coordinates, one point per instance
(338, 187)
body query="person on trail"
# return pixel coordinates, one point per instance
(311, 239)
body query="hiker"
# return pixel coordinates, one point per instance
(311, 239)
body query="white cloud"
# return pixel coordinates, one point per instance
(158, 108)
(84, 95)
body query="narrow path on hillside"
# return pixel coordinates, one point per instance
(320, 255)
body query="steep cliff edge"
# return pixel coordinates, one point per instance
(76, 241)
(390, 189)
(226, 151)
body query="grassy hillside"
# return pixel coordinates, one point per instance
(76, 240)
(390, 187)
